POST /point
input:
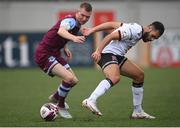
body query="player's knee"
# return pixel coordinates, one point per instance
(140, 77)
(75, 81)
(70, 79)
(115, 79)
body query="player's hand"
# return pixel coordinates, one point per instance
(86, 31)
(68, 54)
(96, 56)
(79, 39)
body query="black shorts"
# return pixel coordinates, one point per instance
(109, 58)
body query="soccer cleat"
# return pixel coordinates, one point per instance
(91, 106)
(141, 115)
(54, 100)
(64, 113)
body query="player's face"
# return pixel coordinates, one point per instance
(83, 16)
(150, 35)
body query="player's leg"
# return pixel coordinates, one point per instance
(54, 98)
(68, 81)
(75, 79)
(58, 66)
(109, 64)
(112, 77)
(134, 72)
(65, 73)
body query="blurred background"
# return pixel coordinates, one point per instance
(24, 88)
(23, 23)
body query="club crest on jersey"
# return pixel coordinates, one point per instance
(114, 58)
(51, 58)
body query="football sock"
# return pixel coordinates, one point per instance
(137, 91)
(56, 95)
(63, 91)
(103, 86)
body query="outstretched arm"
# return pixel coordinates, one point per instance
(106, 26)
(102, 27)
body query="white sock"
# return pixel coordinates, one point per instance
(137, 98)
(103, 86)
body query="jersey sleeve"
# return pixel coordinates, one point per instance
(68, 23)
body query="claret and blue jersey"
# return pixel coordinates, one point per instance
(48, 51)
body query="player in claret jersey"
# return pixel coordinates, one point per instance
(110, 55)
(48, 58)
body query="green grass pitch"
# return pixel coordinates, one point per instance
(24, 91)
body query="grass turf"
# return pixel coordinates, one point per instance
(24, 91)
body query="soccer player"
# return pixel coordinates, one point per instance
(49, 59)
(110, 56)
